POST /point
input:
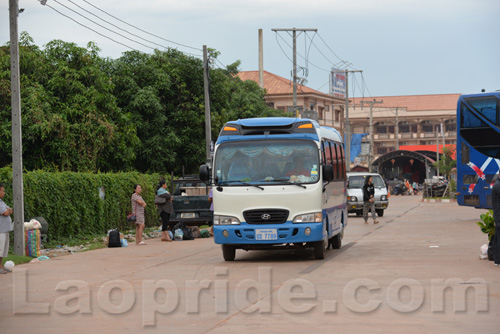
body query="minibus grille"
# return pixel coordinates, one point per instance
(266, 216)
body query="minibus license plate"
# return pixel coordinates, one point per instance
(267, 234)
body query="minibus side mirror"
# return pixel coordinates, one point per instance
(204, 173)
(327, 173)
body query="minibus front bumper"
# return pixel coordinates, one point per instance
(253, 234)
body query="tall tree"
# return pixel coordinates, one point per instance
(140, 112)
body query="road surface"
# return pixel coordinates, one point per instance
(418, 271)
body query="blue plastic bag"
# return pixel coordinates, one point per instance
(124, 242)
(179, 235)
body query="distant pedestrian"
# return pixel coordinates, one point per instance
(138, 205)
(496, 216)
(166, 210)
(5, 228)
(211, 201)
(369, 199)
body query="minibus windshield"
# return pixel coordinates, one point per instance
(269, 162)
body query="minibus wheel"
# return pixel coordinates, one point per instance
(336, 241)
(320, 249)
(380, 212)
(228, 252)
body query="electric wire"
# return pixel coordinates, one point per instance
(364, 81)
(277, 35)
(100, 18)
(317, 48)
(83, 25)
(144, 31)
(118, 42)
(100, 25)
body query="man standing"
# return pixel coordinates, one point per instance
(496, 216)
(5, 228)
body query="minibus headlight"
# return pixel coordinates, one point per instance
(226, 220)
(352, 198)
(315, 217)
(383, 198)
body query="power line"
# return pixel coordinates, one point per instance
(100, 18)
(364, 82)
(83, 25)
(321, 38)
(144, 31)
(317, 48)
(132, 48)
(298, 54)
(100, 25)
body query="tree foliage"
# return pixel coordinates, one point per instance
(143, 112)
(446, 162)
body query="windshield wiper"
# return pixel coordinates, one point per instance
(242, 182)
(286, 181)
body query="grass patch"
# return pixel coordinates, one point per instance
(94, 245)
(72, 241)
(17, 259)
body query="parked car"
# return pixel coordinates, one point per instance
(191, 205)
(355, 182)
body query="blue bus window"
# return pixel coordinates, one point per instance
(487, 107)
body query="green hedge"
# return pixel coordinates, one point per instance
(71, 204)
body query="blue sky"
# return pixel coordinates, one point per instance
(403, 47)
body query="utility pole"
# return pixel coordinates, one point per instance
(397, 130)
(371, 103)
(294, 36)
(347, 133)
(17, 151)
(437, 151)
(261, 59)
(442, 133)
(208, 125)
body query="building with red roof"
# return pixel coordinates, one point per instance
(311, 103)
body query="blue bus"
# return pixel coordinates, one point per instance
(278, 183)
(478, 148)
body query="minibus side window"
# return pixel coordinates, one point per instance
(342, 152)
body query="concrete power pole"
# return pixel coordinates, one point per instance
(208, 125)
(437, 150)
(294, 36)
(371, 103)
(17, 151)
(261, 59)
(397, 130)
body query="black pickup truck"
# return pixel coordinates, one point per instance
(191, 203)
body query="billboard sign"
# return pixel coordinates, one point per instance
(338, 84)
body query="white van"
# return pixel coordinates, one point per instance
(355, 182)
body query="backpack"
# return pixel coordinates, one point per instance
(179, 225)
(187, 234)
(114, 238)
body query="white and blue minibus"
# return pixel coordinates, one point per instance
(278, 183)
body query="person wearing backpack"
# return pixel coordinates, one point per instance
(164, 204)
(369, 199)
